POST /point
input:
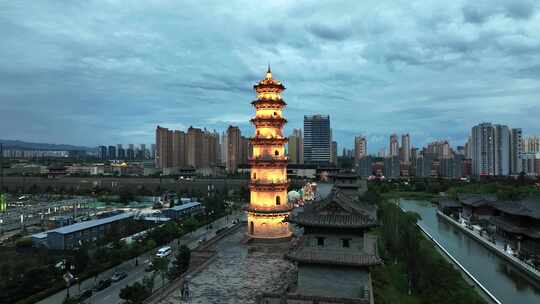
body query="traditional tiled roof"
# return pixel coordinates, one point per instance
(476, 200)
(515, 227)
(337, 210)
(309, 255)
(527, 207)
(446, 202)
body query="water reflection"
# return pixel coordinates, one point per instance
(503, 280)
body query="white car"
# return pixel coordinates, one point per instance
(164, 252)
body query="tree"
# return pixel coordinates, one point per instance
(126, 195)
(181, 262)
(134, 294)
(148, 282)
(81, 259)
(161, 266)
(190, 224)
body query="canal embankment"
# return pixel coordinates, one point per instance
(527, 269)
(502, 279)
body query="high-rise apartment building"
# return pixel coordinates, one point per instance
(164, 148)
(130, 153)
(120, 152)
(440, 149)
(234, 148)
(295, 147)
(178, 149)
(483, 149)
(531, 144)
(334, 156)
(394, 146)
(194, 147)
(405, 150)
(317, 139)
(360, 147)
(502, 150)
(112, 152)
(102, 152)
(516, 150)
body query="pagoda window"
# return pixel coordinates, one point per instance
(278, 200)
(346, 243)
(276, 153)
(255, 175)
(320, 241)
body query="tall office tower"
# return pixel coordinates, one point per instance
(516, 150)
(178, 149)
(394, 146)
(381, 153)
(296, 146)
(234, 148)
(405, 148)
(531, 144)
(360, 147)
(414, 156)
(268, 209)
(333, 154)
(120, 152)
(502, 150)
(194, 140)
(317, 139)
(112, 152)
(164, 153)
(131, 152)
(153, 151)
(102, 152)
(483, 149)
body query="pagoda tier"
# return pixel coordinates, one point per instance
(268, 103)
(268, 208)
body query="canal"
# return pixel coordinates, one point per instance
(503, 280)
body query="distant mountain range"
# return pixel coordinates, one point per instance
(22, 145)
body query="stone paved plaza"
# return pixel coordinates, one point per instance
(238, 274)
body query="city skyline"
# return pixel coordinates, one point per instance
(101, 89)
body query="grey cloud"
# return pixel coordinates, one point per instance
(104, 72)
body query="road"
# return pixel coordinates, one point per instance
(110, 295)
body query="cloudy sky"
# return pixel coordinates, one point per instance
(107, 72)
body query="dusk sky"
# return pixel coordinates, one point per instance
(107, 72)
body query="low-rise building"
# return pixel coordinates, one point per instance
(184, 210)
(75, 235)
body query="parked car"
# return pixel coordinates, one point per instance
(164, 252)
(117, 276)
(102, 284)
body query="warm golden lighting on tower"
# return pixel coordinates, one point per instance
(268, 206)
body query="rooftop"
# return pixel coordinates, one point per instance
(337, 210)
(90, 224)
(185, 206)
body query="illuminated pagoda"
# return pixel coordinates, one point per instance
(268, 208)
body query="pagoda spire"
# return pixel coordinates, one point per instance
(269, 73)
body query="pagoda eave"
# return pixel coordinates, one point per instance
(268, 186)
(286, 209)
(268, 103)
(268, 141)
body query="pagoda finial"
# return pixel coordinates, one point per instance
(269, 72)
